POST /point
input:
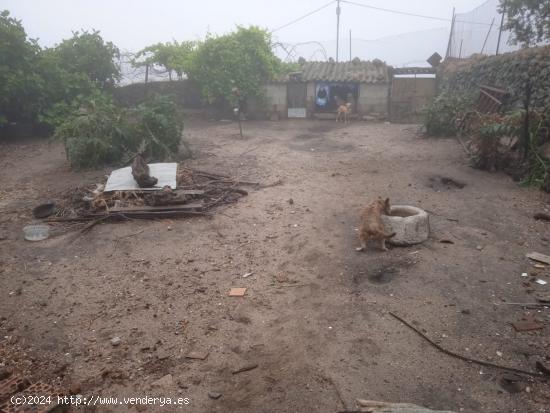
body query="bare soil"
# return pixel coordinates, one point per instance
(315, 315)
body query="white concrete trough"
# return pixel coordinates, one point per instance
(410, 224)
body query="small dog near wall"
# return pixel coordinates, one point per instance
(372, 227)
(343, 112)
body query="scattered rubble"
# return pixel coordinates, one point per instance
(246, 367)
(197, 355)
(20, 387)
(115, 341)
(196, 193)
(527, 323)
(165, 381)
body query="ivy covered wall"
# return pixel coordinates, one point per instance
(510, 71)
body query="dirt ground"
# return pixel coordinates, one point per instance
(315, 318)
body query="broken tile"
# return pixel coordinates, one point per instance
(237, 292)
(521, 326)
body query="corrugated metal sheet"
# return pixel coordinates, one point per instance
(361, 72)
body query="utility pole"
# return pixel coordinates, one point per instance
(337, 27)
(350, 45)
(500, 29)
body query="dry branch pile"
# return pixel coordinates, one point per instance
(197, 192)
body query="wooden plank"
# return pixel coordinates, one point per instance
(537, 256)
(190, 191)
(491, 97)
(145, 208)
(370, 406)
(157, 214)
(494, 89)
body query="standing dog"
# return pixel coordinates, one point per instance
(343, 111)
(372, 227)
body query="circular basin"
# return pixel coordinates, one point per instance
(410, 224)
(38, 232)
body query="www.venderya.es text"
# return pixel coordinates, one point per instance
(100, 400)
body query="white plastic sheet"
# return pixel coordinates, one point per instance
(122, 179)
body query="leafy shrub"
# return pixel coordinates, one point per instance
(93, 134)
(487, 136)
(492, 152)
(539, 165)
(98, 132)
(442, 117)
(159, 127)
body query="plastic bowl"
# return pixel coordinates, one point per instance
(37, 232)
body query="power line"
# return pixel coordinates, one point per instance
(410, 14)
(303, 17)
(395, 11)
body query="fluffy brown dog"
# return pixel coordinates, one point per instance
(343, 112)
(372, 227)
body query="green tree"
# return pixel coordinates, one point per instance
(19, 83)
(242, 59)
(529, 20)
(181, 56)
(61, 88)
(171, 56)
(89, 54)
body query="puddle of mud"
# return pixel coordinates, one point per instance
(444, 183)
(381, 275)
(381, 272)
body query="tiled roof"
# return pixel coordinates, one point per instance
(355, 71)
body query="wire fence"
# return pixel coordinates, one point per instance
(140, 74)
(405, 49)
(474, 32)
(477, 31)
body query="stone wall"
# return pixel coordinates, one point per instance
(185, 93)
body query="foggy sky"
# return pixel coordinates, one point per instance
(134, 24)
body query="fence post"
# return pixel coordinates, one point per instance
(448, 52)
